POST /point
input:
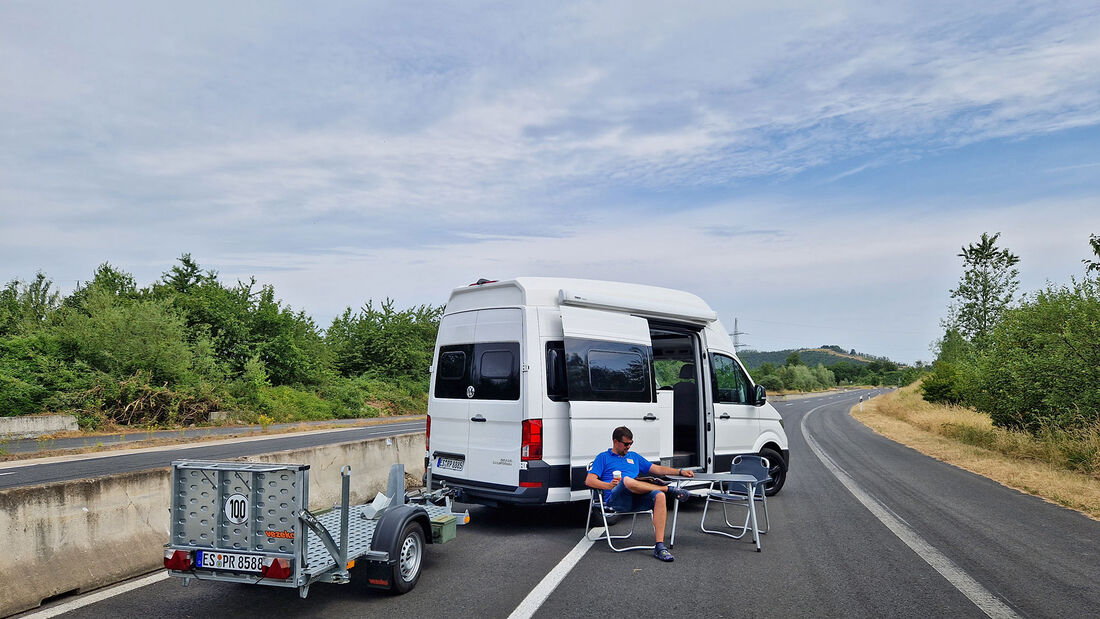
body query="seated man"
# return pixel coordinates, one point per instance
(631, 494)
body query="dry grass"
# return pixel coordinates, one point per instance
(1061, 467)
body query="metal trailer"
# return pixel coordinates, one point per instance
(249, 523)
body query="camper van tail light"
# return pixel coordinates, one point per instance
(532, 440)
(428, 435)
(179, 560)
(530, 484)
(276, 568)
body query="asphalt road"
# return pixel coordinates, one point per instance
(944, 543)
(123, 440)
(91, 465)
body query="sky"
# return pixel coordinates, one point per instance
(810, 171)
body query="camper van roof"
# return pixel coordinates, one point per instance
(554, 291)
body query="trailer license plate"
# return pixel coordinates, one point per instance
(229, 561)
(451, 464)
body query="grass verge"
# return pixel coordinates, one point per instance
(1058, 466)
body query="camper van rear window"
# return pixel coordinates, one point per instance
(452, 365)
(497, 364)
(487, 371)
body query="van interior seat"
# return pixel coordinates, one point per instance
(685, 410)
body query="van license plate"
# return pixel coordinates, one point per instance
(229, 561)
(450, 464)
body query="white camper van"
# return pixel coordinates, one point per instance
(530, 376)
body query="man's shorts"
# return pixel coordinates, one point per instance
(623, 500)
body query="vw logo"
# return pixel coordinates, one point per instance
(470, 391)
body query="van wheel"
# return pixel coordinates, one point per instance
(777, 470)
(410, 556)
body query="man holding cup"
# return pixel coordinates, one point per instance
(616, 470)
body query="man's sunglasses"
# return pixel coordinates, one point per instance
(626, 444)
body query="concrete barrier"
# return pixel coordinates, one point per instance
(32, 426)
(73, 536)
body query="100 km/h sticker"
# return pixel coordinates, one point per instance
(236, 508)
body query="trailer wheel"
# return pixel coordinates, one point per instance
(410, 555)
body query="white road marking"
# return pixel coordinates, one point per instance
(98, 596)
(979, 595)
(546, 586)
(11, 473)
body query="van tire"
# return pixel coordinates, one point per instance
(777, 470)
(410, 559)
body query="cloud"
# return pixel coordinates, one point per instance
(410, 148)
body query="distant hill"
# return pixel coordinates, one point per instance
(825, 355)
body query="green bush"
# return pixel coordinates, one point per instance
(942, 385)
(122, 338)
(1043, 363)
(383, 341)
(771, 382)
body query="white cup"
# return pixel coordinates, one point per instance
(617, 474)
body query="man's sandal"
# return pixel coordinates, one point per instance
(662, 553)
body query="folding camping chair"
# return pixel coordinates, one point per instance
(731, 493)
(596, 502)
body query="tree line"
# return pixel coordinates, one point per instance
(795, 375)
(1031, 362)
(171, 352)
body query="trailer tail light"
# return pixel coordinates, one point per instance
(179, 560)
(428, 436)
(531, 446)
(530, 484)
(276, 568)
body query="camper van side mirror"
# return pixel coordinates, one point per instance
(761, 395)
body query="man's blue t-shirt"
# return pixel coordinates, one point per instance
(631, 465)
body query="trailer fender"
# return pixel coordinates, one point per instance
(387, 538)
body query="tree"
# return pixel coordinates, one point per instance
(1093, 266)
(986, 289)
(793, 359)
(26, 305)
(185, 275)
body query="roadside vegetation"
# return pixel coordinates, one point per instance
(168, 354)
(1014, 392)
(795, 375)
(1031, 364)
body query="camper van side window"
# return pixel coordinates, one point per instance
(608, 371)
(731, 386)
(556, 388)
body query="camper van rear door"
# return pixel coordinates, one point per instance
(609, 359)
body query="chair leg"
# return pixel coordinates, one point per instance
(607, 535)
(703, 521)
(764, 502)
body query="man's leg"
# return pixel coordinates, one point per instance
(660, 512)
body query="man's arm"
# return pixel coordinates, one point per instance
(657, 469)
(595, 482)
